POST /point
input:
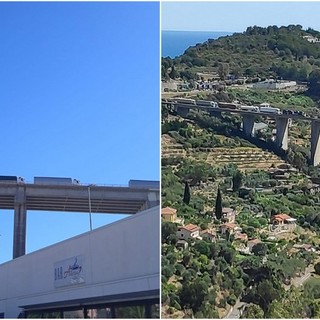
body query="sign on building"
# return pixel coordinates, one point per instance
(69, 272)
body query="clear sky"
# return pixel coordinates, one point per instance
(79, 98)
(237, 16)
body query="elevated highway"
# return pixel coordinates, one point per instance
(248, 119)
(22, 197)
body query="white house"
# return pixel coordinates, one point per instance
(187, 232)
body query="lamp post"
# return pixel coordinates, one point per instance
(90, 218)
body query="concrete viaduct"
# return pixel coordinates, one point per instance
(248, 118)
(69, 198)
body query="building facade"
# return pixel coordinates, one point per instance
(110, 272)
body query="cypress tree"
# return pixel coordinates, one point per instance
(186, 195)
(218, 208)
(236, 181)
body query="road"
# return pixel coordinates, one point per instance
(235, 311)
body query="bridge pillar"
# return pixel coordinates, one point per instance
(20, 223)
(282, 132)
(153, 199)
(182, 111)
(315, 145)
(248, 124)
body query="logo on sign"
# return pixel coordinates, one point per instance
(69, 272)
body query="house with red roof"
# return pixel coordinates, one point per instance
(188, 231)
(209, 235)
(169, 214)
(282, 222)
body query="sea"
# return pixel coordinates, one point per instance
(174, 43)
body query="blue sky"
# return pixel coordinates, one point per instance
(237, 16)
(79, 98)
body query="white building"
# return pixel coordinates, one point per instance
(187, 232)
(110, 272)
(272, 84)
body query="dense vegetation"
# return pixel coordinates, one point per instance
(206, 278)
(279, 52)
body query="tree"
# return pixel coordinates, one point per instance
(223, 70)
(168, 229)
(218, 207)
(317, 268)
(193, 294)
(260, 249)
(186, 194)
(252, 311)
(236, 181)
(173, 74)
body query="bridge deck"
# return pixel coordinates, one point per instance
(74, 198)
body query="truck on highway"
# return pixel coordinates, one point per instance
(185, 101)
(270, 110)
(55, 181)
(207, 103)
(250, 108)
(227, 105)
(144, 184)
(11, 179)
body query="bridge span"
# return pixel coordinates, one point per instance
(70, 198)
(248, 118)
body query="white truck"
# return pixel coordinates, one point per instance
(250, 108)
(270, 110)
(185, 101)
(55, 181)
(207, 103)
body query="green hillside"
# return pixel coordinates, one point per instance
(279, 52)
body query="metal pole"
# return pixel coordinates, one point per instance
(90, 219)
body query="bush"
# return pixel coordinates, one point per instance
(232, 299)
(317, 268)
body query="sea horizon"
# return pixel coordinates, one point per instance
(174, 43)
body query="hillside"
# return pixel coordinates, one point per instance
(280, 52)
(240, 218)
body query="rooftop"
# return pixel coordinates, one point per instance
(168, 211)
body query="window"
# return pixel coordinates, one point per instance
(73, 314)
(130, 312)
(155, 311)
(99, 313)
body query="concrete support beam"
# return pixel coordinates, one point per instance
(282, 132)
(20, 223)
(315, 144)
(248, 124)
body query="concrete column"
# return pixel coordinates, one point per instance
(248, 124)
(153, 199)
(182, 111)
(315, 145)
(20, 223)
(282, 132)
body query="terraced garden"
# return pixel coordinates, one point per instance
(246, 158)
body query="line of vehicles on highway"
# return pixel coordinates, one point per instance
(138, 184)
(264, 107)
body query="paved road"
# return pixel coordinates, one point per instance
(235, 311)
